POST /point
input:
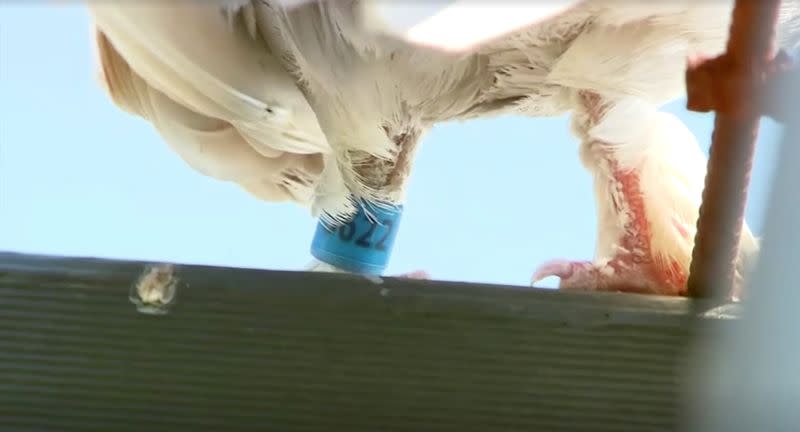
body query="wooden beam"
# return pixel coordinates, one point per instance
(243, 349)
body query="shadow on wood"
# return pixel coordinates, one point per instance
(263, 350)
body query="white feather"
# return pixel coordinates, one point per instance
(215, 93)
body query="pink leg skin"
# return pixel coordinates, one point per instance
(633, 268)
(418, 274)
(621, 274)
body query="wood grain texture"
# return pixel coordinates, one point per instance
(262, 350)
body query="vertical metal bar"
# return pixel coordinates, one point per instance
(730, 83)
(747, 378)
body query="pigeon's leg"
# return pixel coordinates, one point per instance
(626, 258)
(377, 174)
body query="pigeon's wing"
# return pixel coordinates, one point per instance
(214, 91)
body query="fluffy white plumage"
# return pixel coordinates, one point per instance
(305, 105)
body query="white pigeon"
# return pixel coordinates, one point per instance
(305, 105)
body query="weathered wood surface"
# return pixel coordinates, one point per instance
(263, 350)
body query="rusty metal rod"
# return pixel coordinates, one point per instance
(729, 85)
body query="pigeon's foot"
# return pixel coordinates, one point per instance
(624, 273)
(319, 266)
(417, 274)
(627, 262)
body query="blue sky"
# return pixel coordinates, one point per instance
(489, 200)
